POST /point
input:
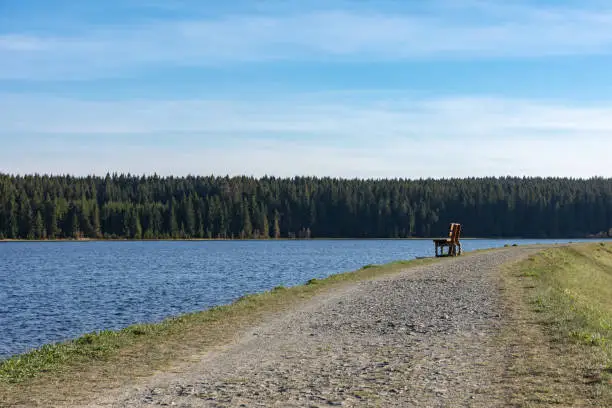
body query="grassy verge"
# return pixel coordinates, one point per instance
(561, 335)
(99, 361)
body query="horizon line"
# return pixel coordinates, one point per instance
(297, 176)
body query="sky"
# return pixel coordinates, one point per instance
(359, 88)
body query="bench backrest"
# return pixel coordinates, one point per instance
(454, 232)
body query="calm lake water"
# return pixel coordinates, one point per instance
(55, 291)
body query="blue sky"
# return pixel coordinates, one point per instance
(341, 88)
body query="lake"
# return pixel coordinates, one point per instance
(54, 291)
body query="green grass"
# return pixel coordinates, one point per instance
(573, 295)
(142, 348)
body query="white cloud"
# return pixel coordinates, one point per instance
(328, 135)
(492, 32)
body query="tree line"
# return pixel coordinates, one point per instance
(154, 207)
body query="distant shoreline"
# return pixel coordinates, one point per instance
(280, 239)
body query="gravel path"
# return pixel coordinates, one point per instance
(424, 337)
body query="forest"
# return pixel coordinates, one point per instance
(126, 206)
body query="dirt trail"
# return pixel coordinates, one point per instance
(425, 337)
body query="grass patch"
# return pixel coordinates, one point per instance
(96, 361)
(574, 285)
(369, 266)
(569, 289)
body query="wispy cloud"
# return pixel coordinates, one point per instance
(384, 114)
(491, 31)
(326, 135)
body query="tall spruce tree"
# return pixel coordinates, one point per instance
(265, 233)
(276, 228)
(173, 227)
(39, 228)
(247, 227)
(72, 222)
(26, 218)
(51, 218)
(95, 221)
(12, 219)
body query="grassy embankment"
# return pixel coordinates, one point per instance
(560, 341)
(99, 361)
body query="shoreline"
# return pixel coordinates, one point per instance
(97, 362)
(100, 361)
(595, 239)
(108, 346)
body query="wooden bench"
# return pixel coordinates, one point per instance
(452, 242)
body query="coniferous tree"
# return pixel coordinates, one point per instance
(85, 219)
(135, 226)
(72, 223)
(265, 233)
(12, 219)
(51, 219)
(173, 228)
(26, 218)
(188, 217)
(156, 221)
(277, 230)
(247, 227)
(95, 221)
(39, 227)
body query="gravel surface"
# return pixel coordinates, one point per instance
(424, 337)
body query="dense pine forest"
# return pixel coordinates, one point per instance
(126, 206)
